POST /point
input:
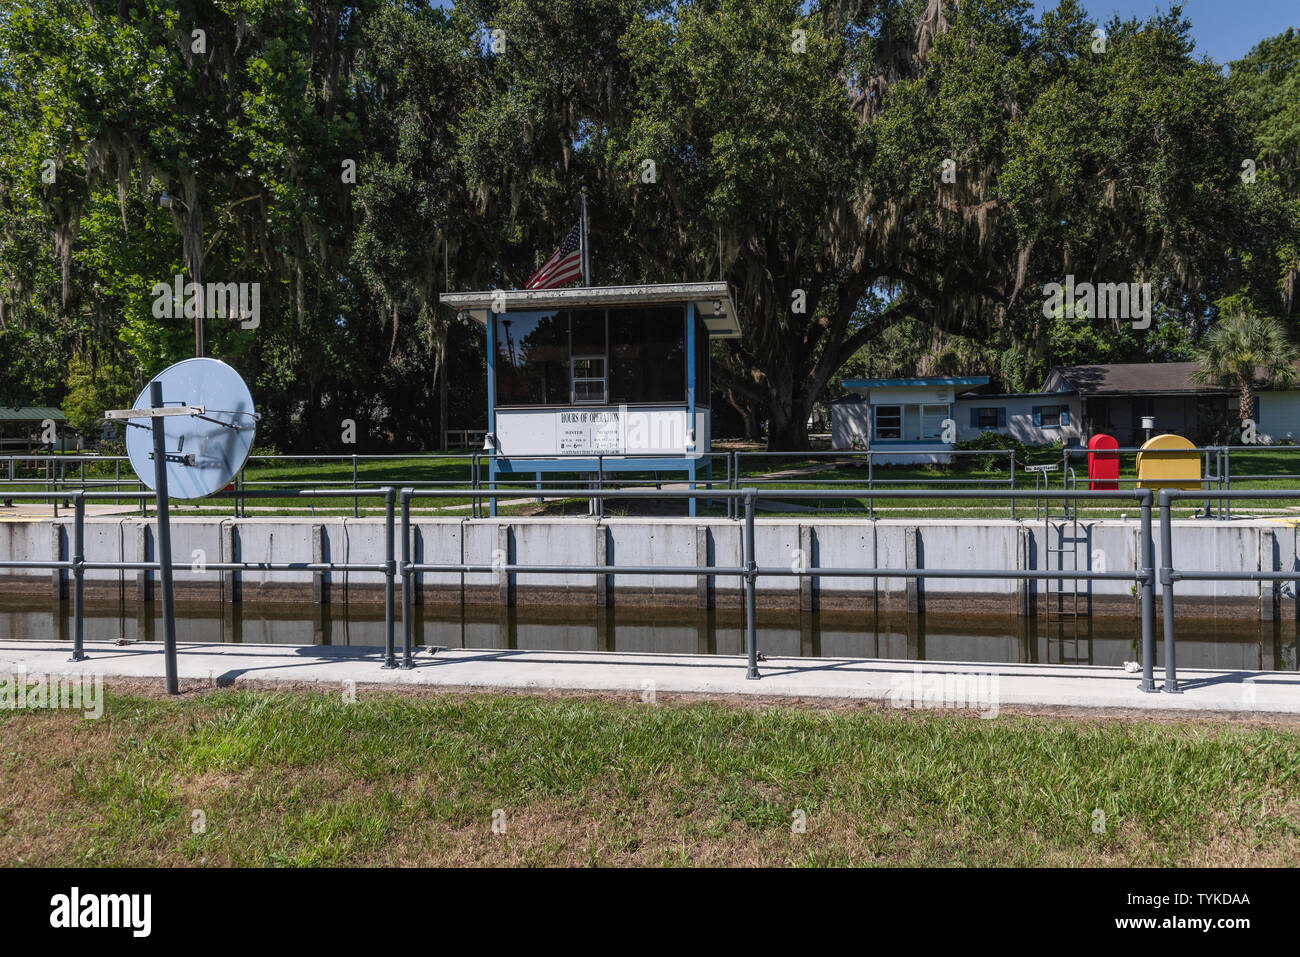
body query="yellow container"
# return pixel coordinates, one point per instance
(1168, 461)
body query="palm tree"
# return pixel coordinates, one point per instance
(1237, 346)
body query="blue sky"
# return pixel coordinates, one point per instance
(1224, 29)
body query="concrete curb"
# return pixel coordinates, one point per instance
(949, 685)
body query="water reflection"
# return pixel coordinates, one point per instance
(932, 637)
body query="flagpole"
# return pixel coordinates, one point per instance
(586, 261)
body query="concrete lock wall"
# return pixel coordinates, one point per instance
(822, 543)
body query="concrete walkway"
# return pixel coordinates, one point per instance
(983, 687)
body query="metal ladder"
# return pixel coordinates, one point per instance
(1068, 620)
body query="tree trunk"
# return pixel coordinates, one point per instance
(1246, 404)
(748, 412)
(787, 427)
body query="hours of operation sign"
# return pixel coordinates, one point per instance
(594, 431)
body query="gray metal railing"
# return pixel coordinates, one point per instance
(870, 455)
(1143, 574)
(65, 473)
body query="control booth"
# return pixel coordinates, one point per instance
(600, 379)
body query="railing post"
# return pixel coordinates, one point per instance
(390, 653)
(1146, 547)
(356, 502)
(1167, 587)
(78, 577)
(751, 577)
(732, 464)
(1011, 456)
(164, 539)
(1226, 503)
(1205, 480)
(408, 626)
(871, 500)
(473, 502)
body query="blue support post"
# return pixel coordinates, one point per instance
(690, 401)
(492, 411)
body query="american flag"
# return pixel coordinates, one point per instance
(565, 264)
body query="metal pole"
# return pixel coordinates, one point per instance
(871, 501)
(751, 576)
(78, 577)
(164, 537)
(1167, 585)
(585, 258)
(356, 502)
(390, 653)
(1148, 560)
(1011, 455)
(407, 583)
(1227, 480)
(1205, 484)
(473, 481)
(731, 483)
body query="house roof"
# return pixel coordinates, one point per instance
(924, 381)
(976, 396)
(1130, 378)
(713, 302)
(30, 413)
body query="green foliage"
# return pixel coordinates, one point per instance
(810, 138)
(92, 390)
(1238, 347)
(990, 441)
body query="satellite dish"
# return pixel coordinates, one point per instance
(208, 424)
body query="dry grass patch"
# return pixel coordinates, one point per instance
(305, 779)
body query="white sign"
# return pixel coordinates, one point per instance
(590, 431)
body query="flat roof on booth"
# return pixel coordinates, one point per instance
(712, 300)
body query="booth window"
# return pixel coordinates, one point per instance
(532, 358)
(703, 370)
(597, 356)
(647, 354)
(889, 422)
(588, 344)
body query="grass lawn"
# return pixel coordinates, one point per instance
(306, 779)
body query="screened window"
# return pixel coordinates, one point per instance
(703, 380)
(647, 355)
(532, 358)
(588, 378)
(889, 421)
(597, 356)
(988, 418)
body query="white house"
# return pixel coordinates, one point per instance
(1034, 418)
(913, 417)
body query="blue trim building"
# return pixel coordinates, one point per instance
(602, 378)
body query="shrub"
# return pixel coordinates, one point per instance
(996, 445)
